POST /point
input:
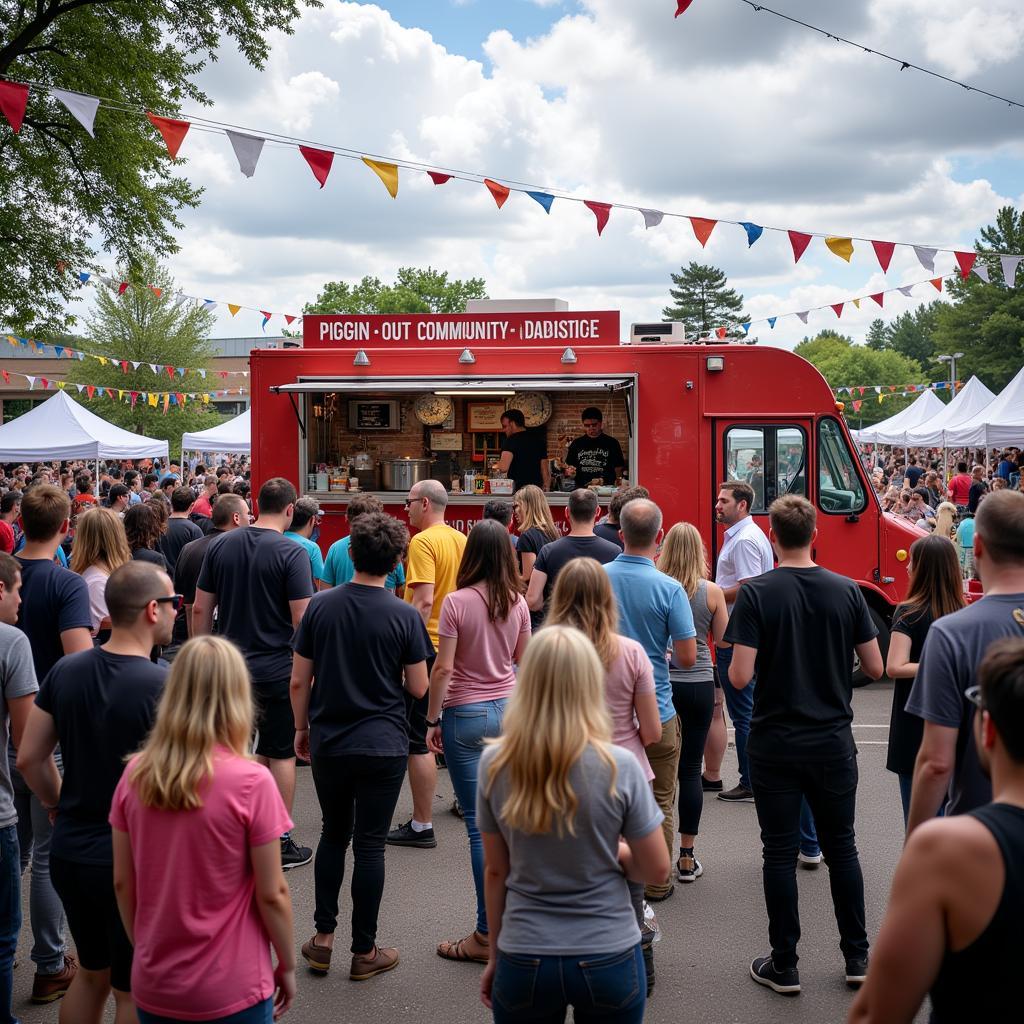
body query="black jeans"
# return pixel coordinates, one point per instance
(830, 788)
(695, 705)
(357, 795)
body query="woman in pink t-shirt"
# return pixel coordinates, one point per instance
(197, 854)
(483, 631)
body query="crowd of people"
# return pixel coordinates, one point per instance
(159, 690)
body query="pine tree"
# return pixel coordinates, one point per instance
(878, 336)
(704, 302)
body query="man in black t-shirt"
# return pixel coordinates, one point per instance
(99, 705)
(800, 626)
(524, 455)
(979, 488)
(595, 455)
(180, 529)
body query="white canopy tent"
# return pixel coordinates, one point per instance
(894, 429)
(972, 399)
(60, 428)
(234, 436)
(999, 423)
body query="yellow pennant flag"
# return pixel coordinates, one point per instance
(842, 247)
(856, 302)
(120, 395)
(152, 400)
(206, 399)
(60, 384)
(234, 309)
(167, 401)
(103, 360)
(12, 339)
(388, 173)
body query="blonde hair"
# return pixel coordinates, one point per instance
(207, 701)
(534, 512)
(683, 557)
(556, 711)
(945, 519)
(100, 540)
(583, 599)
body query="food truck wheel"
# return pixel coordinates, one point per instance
(882, 625)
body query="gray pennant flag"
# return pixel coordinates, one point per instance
(652, 218)
(982, 271)
(907, 289)
(803, 316)
(1010, 264)
(247, 149)
(927, 257)
(82, 107)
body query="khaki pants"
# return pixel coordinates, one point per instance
(664, 758)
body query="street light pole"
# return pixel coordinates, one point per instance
(951, 359)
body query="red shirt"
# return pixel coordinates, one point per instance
(960, 488)
(6, 537)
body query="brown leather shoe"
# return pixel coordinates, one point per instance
(48, 988)
(318, 957)
(366, 965)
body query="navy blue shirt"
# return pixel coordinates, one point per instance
(53, 599)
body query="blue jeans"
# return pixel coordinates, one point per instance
(808, 833)
(463, 731)
(10, 916)
(261, 1013)
(741, 706)
(539, 989)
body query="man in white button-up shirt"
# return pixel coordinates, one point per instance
(746, 553)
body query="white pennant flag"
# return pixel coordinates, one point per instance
(154, 368)
(982, 271)
(81, 388)
(247, 149)
(803, 316)
(180, 298)
(652, 218)
(31, 381)
(202, 373)
(907, 290)
(83, 108)
(927, 257)
(209, 304)
(135, 365)
(1010, 264)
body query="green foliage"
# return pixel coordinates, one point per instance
(58, 186)
(986, 321)
(912, 335)
(141, 327)
(414, 291)
(703, 301)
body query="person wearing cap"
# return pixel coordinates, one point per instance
(305, 519)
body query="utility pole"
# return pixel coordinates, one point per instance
(951, 359)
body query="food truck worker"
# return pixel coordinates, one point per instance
(524, 455)
(595, 454)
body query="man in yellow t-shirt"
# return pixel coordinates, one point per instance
(435, 553)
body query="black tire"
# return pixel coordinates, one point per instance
(882, 625)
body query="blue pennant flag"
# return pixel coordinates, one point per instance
(181, 371)
(23, 342)
(543, 198)
(80, 356)
(59, 350)
(754, 232)
(771, 322)
(83, 277)
(746, 328)
(174, 400)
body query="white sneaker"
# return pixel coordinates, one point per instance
(809, 861)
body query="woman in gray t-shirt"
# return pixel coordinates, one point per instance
(565, 817)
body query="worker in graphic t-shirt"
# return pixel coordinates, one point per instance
(595, 455)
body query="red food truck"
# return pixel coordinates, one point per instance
(374, 403)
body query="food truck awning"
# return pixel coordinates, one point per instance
(454, 385)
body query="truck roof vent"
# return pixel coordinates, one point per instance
(668, 332)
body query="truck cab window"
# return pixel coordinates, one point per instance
(839, 487)
(769, 458)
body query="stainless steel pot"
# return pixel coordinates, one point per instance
(401, 474)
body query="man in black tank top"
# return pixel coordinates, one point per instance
(953, 927)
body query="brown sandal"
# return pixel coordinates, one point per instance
(457, 950)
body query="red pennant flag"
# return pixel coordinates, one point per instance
(499, 192)
(911, 387)
(180, 397)
(799, 241)
(135, 398)
(13, 100)
(879, 298)
(681, 6)
(156, 291)
(124, 365)
(90, 390)
(46, 383)
(170, 371)
(702, 228)
(122, 287)
(319, 161)
(892, 388)
(289, 320)
(966, 261)
(884, 251)
(862, 390)
(721, 332)
(223, 374)
(602, 211)
(838, 307)
(61, 266)
(172, 130)
(937, 283)
(438, 178)
(856, 405)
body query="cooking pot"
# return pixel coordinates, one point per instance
(401, 474)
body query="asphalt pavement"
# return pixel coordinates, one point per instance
(711, 929)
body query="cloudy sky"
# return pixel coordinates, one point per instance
(721, 113)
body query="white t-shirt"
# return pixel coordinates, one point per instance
(745, 554)
(96, 580)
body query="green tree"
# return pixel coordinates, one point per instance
(703, 301)
(414, 291)
(143, 327)
(986, 321)
(58, 186)
(878, 335)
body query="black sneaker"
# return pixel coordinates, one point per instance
(710, 787)
(786, 983)
(856, 972)
(737, 795)
(293, 855)
(688, 869)
(405, 835)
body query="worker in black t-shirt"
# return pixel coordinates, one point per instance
(595, 455)
(524, 454)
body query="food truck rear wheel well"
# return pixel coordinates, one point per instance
(881, 615)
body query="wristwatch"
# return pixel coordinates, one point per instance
(433, 725)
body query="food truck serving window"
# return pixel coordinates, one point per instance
(309, 385)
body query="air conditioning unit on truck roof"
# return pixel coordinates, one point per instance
(670, 332)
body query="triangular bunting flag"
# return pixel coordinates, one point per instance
(856, 302)
(167, 401)
(6, 376)
(90, 390)
(173, 131)
(155, 368)
(799, 241)
(937, 284)
(152, 399)
(170, 371)
(1010, 264)
(202, 373)
(702, 228)
(543, 198)
(319, 161)
(856, 405)
(58, 351)
(965, 260)
(83, 277)
(907, 290)
(82, 108)
(682, 6)
(13, 101)
(884, 251)
(842, 247)
(233, 308)
(981, 269)
(721, 332)
(61, 385)
(45, 382)
(124, 365)
(926, 257)
(879, 298)
(134, 395)
(135, 365)
(652, 218)
(438, 178)
(497, 190)
(601, 211)
(803, 316)
(81, 388)
(209, 304)
(247, 151)
(754, 232)
(123, 287)
(182, 371)
(838, 307)
(771, 322)
(289, 320)
(388, 173)
(180, 298)
(156, 291)
(746, 328)
(266, 318)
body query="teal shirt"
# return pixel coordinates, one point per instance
(338, 567)
(316, 559)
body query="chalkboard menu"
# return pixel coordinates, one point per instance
(373, 415)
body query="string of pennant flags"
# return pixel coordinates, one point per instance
(248, 144)
(884, 391)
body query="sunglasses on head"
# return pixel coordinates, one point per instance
(974, 696)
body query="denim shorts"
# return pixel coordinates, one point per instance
(261, 1013)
